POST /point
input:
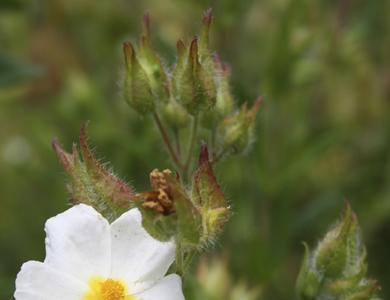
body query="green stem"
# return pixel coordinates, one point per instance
(194, 133)
(184, 257)
(167, 142)
(188, 260)
(176, 133)
(179, 259)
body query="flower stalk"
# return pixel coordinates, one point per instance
(192, 142)
(165, 137)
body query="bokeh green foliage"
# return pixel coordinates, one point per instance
(323, 132)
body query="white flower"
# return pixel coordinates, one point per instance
(89, 259)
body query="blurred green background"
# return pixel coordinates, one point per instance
(323, 134)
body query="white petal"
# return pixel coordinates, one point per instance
(37, 281)
(78, 243)
(168, 288)
(136, 256)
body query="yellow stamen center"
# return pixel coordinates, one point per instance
(107, 289)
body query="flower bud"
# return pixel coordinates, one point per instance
(151, 63)
(193, 80)
(208, 195)
(206, 56)
(224, 101)
(136, 86)
(236, 131)
(309, 281)
(91, 183)
(193, 86)
(336, 269)
(224, 105)
(204, 48)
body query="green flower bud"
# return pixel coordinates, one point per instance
(206, 56)
(181, 58)
(224, 102)
(194, 77)
(236, 131)
(309, 281)
(192, 84)
(146, 79)
(336, 269)
(91, 183)
(136, 86)
(204, 49)
(208, 196)
(151, 63)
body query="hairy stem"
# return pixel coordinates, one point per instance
(176, 133)
(184, 258)
(194, 133)
(167, 142)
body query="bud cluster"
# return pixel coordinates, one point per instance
(195, 90)
(186, 206)
(193, 218)
(336, 269)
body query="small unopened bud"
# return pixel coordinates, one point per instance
(208, 195)
(193, 86)
(224, 105)
(151, 63)
(194, 77)
(91, 183)
(336, 269)
(206, 56)
(136, 86)
(309, 280)
(236, 131)
(224, 102)
(204, 48)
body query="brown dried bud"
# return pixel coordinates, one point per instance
(160, 198)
